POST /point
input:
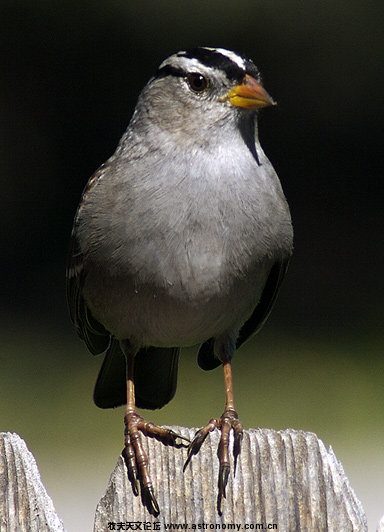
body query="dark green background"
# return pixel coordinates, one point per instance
(70, 76)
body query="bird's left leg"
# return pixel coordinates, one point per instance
(228, 420)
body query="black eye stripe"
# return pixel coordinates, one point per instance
(169, 70)
(193, 78)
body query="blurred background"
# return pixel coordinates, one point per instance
(70, 76)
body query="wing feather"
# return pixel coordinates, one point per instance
(87, 327)
(206, 357)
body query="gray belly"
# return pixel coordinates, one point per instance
(171, 313)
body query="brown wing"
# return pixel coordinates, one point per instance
(90, 330)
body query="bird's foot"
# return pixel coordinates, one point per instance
(136, 458)
(229, 420)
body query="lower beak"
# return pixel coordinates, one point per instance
(249, 95)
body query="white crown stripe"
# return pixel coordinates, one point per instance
(239, 61)
(232, 56)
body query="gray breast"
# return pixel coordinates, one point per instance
(177, 258)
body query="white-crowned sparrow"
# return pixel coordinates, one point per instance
(182, 237)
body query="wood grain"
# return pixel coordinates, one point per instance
(24, 503)
(287, 478)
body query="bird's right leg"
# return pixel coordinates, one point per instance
(135, 457)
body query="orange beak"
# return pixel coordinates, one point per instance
(249, 95)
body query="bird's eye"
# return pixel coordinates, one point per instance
(197, 82)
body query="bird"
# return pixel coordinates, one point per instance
(181, 238)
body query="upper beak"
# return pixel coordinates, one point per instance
(249, 95)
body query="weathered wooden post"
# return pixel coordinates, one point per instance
(24, 503)
(285, 480)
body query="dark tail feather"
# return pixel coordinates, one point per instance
(155, 377)
(111, 388)
(206, 356)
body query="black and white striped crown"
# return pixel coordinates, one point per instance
(232, 64)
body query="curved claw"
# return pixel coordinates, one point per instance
(223, 479)
(222, 484)
(150, 501)
(193, 449)
(198, 440)
(238, 438)
(135, 484)
(175, 436)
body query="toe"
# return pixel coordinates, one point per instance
(130, 462)
(198, 440)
